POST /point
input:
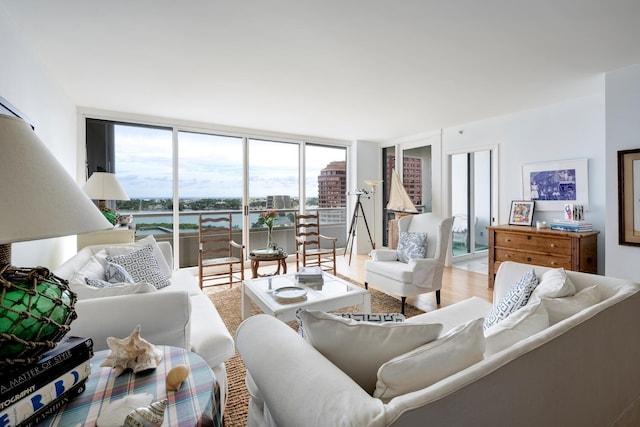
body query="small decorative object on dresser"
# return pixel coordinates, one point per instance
(577, 251)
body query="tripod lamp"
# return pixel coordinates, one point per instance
(39, 200)
(373, 184)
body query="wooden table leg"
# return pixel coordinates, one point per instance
(254, 268)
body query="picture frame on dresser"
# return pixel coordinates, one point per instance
(553, 184)
(521, 212)
(629, 197)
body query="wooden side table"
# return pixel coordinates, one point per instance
(197, 403)
(280, 257)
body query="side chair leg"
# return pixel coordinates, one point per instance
(438, 297)
(403, 302)
(366, 285)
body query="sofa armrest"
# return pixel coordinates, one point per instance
(384, 255)
(298, 384)
(162, 316)
(167, 252)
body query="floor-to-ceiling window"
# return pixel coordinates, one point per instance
(172, 175)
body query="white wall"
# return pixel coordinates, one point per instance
(623, 133)
(573, 129)
(25, 84)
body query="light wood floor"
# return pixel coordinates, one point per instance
(457, 284)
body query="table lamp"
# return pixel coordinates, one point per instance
(103, 186)
(38, 200)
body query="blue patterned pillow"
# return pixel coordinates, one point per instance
(97, 283)
(142, 265)
(411, 245)
(362, 317)
(517, 297)
(115, 273)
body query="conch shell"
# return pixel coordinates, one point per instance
(132, 352)
(148, 416)
(176, 376)
(114, 414)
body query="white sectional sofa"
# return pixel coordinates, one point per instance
(580, 368)
(179, 314)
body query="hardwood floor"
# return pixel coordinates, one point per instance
(458, 284)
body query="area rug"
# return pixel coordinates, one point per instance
(227, 303)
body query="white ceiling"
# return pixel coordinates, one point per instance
(348, 69)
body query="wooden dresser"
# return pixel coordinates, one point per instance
(546, 247)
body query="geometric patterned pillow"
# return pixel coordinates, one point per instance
(411, 245)
(142, 265)
(115, 273)
(361, 317)
(517, 297)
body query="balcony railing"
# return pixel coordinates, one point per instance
(160, 224)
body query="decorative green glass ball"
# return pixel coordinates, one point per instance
(35, 313)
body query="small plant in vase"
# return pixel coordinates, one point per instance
(268, 218)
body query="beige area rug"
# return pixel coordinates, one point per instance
(227, 301)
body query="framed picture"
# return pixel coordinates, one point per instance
(554, 184)
(521, 212)
(629, 197)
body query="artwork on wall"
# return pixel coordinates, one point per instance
(629, 197)
(521, 212)
(553, 184)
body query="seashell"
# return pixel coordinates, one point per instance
(176, 376)
(132, 352)
(148, 416)
(114, 413)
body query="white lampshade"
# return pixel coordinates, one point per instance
(38, 198)
(104, 186)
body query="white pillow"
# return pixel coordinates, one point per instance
(123, 249)
(517, 296)
(523, 323)
(562, 308)
(77, 283)
(360, 348)
(456, 350)
(554, 283)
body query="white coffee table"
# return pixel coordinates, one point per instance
(334, 294)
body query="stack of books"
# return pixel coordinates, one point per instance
(310, 276)
(571, 225)
(30, 393)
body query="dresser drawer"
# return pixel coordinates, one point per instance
(554, 261)
(533, 242)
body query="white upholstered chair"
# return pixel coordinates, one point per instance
(417, 276)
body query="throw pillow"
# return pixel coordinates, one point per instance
(360, 348)
(361, 317)
(456, 350)
(142, 265)
(411, 245)
(563, 308)
(517, 296)
(554, 283)
(116, 273)
(523, 323)
(123, 249)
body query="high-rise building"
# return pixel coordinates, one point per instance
(332, 191)
(279, 202)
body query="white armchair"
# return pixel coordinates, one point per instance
(417, 276)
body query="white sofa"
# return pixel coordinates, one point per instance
(579, 371)
(178, 315)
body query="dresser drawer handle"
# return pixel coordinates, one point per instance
(508, 256)
(529, 237)
(507, 239)
(553, 245)
(553, 263)
(528, 259)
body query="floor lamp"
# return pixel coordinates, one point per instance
(373, 184)
(39, 200)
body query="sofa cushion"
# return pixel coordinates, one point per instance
(411, 245)
(562, 308)
(88, 288)
(517, 296)
(456, 350)
(125, 248)
(456, 314)
(360, 348)
(554, 283)
(142, 265)
(522, 323)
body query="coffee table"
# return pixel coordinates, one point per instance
(334, 294)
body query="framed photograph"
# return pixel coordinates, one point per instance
(629, 197)
(554, 184)
(521, 212)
